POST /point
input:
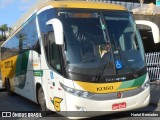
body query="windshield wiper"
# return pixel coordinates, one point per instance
(128, 64)
(101, 69)
(124, 58)
(107, 39)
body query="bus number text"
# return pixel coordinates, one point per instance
(105, 88)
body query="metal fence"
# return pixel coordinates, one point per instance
(153, 65)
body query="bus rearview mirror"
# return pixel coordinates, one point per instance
(58, 30)
(154, 29)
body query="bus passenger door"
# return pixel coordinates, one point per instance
(56, 93)
(34, 72)
(54, 72)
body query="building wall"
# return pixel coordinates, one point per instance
(129, 5)
(134, 1)
(152, 18)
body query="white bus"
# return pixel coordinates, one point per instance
(77, 56)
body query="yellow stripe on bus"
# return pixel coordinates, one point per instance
(102, 87)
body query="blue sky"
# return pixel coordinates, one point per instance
(12, 10)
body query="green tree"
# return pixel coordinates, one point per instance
(1, 29)
(2, 38)
(4, 28)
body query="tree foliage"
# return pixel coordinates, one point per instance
(3, 29)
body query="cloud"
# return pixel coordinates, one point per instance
(26, 4)
(24, 8)
(24, 1)
(23, 5)
(4, 3)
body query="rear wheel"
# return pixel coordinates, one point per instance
(8, 88)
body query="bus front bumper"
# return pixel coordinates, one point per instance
(91, 108)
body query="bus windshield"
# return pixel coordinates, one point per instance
(105, 40)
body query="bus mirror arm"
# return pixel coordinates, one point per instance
(154, 28)
(58, 30)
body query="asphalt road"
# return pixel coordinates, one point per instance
(18, 103)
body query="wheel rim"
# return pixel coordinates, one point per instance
(41, 99)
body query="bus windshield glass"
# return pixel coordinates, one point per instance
(105, 41)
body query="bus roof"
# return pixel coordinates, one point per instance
(84, 4)
(63, 4)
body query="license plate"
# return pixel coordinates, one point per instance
(119, 106)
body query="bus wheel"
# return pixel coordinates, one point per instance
(8, 88)
(42, 101)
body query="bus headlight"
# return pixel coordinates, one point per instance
(75, 92)
(146, 84)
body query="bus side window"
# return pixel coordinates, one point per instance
(28, 37)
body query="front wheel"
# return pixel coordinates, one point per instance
(42, 101)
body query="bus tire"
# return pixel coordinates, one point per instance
(8, 88)
(42, 101)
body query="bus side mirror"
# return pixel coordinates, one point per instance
(154, 28)
(58, 30)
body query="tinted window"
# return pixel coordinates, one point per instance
(25, 39)
(47, 33)
(28, 37)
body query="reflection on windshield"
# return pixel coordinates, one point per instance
(88, 49)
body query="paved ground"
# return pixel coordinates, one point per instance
(155, 94)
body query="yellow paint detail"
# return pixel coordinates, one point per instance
(35, 65)
(83, 4)
(57, 102)
(126, 89)
(8, 70)
(102, 87)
